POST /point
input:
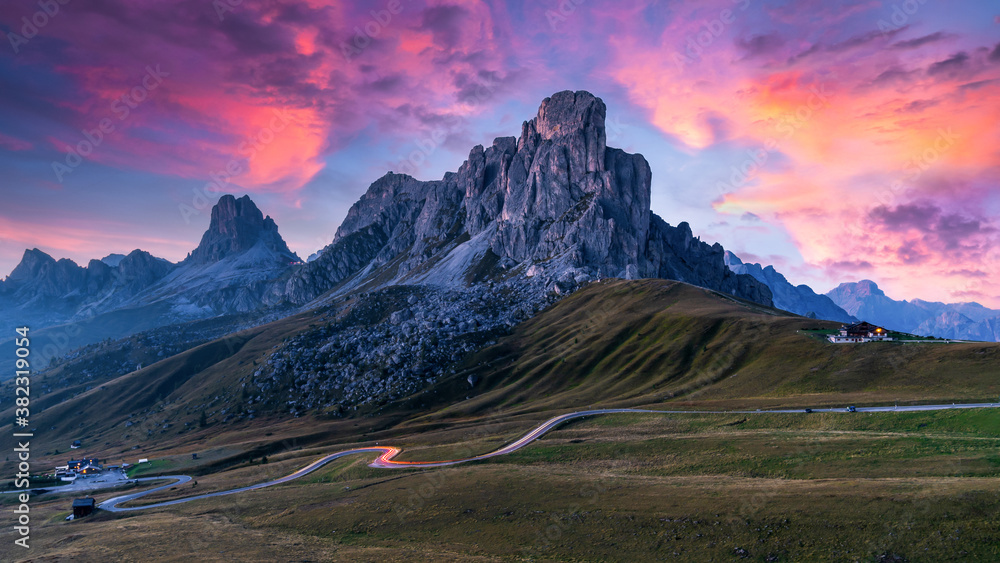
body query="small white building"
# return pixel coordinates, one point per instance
(860, 332)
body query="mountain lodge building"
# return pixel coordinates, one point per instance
(85, 466)
(860, 332)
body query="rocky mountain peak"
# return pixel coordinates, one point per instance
(142, 266)
(868, 287)
(113, 260)
(237, 225)
(859, 290)
(40, 275)
(569, 113)
(865, 300)
(798, 299)
(30, 265)
(555, 205)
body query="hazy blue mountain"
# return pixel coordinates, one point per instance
(67, 305)
(964, 321)
(800, 299)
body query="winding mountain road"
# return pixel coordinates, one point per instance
(385, 460)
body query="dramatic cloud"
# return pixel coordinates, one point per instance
(947, 231)
(842, 135)
(837, 139)
(906, 216)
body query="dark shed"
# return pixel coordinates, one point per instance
(83, 507)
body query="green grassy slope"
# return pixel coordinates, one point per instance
(764, 487)
(870, 487)
(622, 343)
(615, 343)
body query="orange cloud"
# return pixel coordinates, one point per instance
(847, 146)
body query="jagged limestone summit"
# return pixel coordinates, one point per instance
(535, 217)
(555, 203)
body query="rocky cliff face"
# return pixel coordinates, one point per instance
(555, 204)
(429, 270)
(801, 299)
(237, 226)
(674, 253)
(44, 276)
(42, 291)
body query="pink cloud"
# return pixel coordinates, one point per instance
(332, 68)
(851, 126)
(854, 146)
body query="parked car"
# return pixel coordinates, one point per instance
(852, 409)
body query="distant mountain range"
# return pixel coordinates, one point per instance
(800, 299)
(240, 251)
(963, 321)
(542, 213)
(228, 273)
(863, 300)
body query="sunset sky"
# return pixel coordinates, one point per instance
(837, 140)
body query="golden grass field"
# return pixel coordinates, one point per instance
(837, 487)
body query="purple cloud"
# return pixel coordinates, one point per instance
(892, 75)
(911, 253)
(921, 41)
(952, 64)
(764, 44)
(947, 231)
(445, 22)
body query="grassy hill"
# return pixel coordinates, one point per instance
(765, 487)
(628, 343)
(614, 343)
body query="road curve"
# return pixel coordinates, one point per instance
(385, 460)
